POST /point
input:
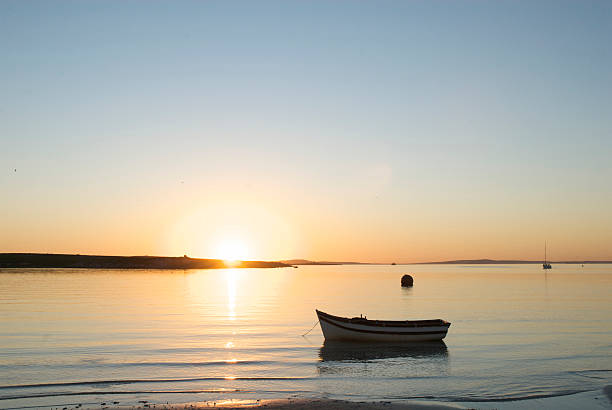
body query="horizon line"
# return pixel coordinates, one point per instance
(331, 262)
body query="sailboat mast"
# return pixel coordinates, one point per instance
(546, 265)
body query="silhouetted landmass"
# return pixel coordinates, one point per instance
(307, 262)
(499, 262)
(45, 260)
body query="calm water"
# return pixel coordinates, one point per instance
(91, 336)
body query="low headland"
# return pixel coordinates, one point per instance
(48, 260)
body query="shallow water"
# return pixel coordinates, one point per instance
(72, 336)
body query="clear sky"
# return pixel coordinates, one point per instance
(344, 130)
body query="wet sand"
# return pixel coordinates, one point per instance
(300, 404)
(598, 399)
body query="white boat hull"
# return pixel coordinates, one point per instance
(361, 330)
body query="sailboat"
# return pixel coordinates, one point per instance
(546, 265)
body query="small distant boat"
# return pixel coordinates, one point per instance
(359, 329)
(546, 265)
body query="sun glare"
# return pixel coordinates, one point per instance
(232, 250)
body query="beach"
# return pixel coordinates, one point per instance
(299, 404)
(598, 399)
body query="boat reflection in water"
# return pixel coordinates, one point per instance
(362, 352)
(373, 359)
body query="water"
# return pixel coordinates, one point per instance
(72, 336)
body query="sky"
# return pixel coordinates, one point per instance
(388, 131)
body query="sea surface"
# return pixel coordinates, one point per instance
(70, 336)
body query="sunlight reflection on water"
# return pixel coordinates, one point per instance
(232, 277)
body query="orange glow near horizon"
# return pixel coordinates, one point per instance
(243, 227)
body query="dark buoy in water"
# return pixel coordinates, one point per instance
(407, 281)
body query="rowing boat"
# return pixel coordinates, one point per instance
(360, 329)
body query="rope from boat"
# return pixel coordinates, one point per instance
(315, 325)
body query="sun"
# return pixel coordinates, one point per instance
(232, 250)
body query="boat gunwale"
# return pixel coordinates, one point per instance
(383, 323)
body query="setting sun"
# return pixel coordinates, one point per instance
(232, 250)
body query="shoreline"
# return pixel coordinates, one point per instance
(592, 399)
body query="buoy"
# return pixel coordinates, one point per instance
(407, 281)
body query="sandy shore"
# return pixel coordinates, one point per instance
(599, 399)
(301, 404)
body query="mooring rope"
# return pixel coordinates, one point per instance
(315, 325)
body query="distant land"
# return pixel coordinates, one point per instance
(453, 262)
(47, 260)
(50, 260)
(307, 262)
(494, 261)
